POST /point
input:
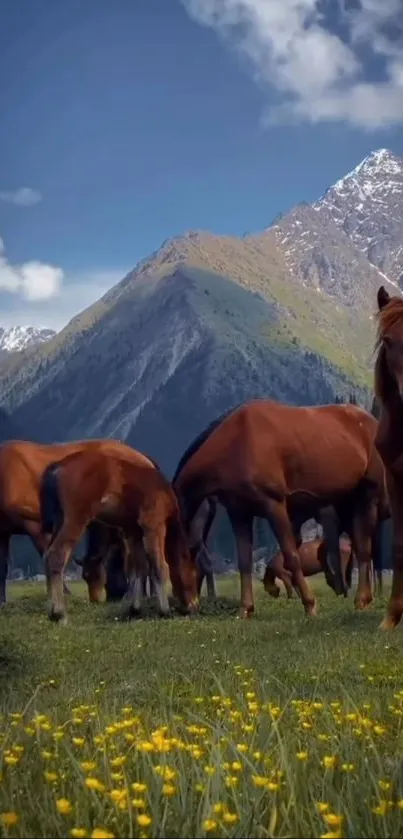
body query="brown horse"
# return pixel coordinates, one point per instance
(312, 557)
(389, 438)
(283, 463)
(22, 465)
(120, 487)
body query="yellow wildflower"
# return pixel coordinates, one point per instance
(209, 825)
(64, 806)
(138, 787)
(78, 833)
(101, 833)
(230, 818)
(218, 808)
(9, 819)
(242, 747)
(347, 767)
(210, 770)
(331, 835)
(78, 741)
(94, 784)
(273, 786)
(382, 808)
(385, 785)
(88, 765)
(168, 789)
(138, 803)
(379, 729)
(329, 761)
(236, 766)
(143, 820)
(50, 777)
(333, 819)
(322, 806)
(302, 755)
(11, 760)
(259, 781)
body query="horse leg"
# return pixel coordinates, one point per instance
(4, 553)
(286, 578)
(394, 609)
(278, 518)
(57, 557)
(242, 526)
(330, 522)
(154, 546)
(269, 582)
(364, 522)
(377, 557)
(205, 566)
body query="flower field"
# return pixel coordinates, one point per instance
(276, 727)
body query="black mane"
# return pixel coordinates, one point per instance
(199, 440)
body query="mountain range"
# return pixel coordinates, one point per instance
(208, 321)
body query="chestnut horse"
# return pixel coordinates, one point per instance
(22, 465)
(389, 438)
(284, 463)
(312, 557)
(120, 487)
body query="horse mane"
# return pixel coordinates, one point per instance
(198, 442)
(387, 318)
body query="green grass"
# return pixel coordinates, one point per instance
(228, 728)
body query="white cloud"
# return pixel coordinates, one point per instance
(317, 74)
(77, 292)
(24, 196)
(30, 280)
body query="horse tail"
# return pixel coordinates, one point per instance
(50, 507)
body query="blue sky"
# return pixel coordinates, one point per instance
(127, 122)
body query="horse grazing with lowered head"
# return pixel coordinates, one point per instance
(312, 557)
(112, 483)
(285, 464)
(389, 438)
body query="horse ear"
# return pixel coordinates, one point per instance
(383, 298)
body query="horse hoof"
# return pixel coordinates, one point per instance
(246, 612)
(389, 623)
(363, 603)
(165, 614)
(310, 611)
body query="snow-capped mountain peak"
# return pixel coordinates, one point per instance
(367, 204)
(17, 338)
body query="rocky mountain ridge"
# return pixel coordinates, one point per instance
(208, 321)
(17, 338)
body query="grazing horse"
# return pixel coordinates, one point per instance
(22, 465)
(284, 463)
(389, 438)
(312, 557)
(120, 487)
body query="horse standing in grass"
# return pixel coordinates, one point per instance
(22, 465)
(285, 463)
(312, 557)
(120, 487)
(389, 438)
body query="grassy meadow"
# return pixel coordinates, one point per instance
(276, 727)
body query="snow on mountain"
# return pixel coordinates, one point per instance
(18, 338)
(367, 204)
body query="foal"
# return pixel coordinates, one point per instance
(120, 487)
